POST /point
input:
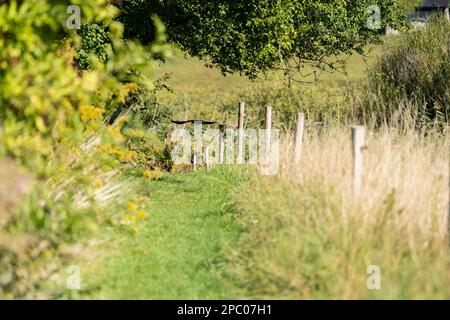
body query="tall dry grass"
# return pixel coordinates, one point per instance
(309, 237)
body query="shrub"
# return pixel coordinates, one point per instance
(412, 76)
(94, 40)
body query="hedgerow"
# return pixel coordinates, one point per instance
(56, 97)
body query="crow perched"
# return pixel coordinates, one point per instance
(194, 121)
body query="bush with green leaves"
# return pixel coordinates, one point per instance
(94, 40)
(40, 91)
(411, 79)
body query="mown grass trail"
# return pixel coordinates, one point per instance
(180, 251)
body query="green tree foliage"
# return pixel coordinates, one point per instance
(254, 36)
(95, 40)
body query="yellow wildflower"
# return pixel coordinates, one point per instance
(135, 133)
(115, 132)
(133, 219)
(121, 98)
(141, 214)
(135, 231)
(90, 113)
(130, 87)
(98, 184)
(147, 173)
(94, 126)
(131, 207)
(129, 156)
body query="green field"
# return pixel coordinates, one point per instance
(206, 93)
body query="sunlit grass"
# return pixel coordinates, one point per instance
(180, 250)
(202, 92)
(310, 237)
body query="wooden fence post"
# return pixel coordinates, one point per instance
(207, 158)
(268, 130)
(447, 14)
(198, 143)
(299, 138)
(240, 153)
(222, 144)
(358, 138)
(186, 114)
(230, 147)
(194, 161)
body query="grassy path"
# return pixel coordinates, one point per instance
(180, 251)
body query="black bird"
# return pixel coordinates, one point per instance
(194, 121)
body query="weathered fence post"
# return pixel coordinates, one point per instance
(240, 153)
(194, 161)
(447, 14)
(230, 147)
(186, 113)
(299, 138)
(268, 130)
(198, 143)
(358, 138)
(207, 158)
(221, 144)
